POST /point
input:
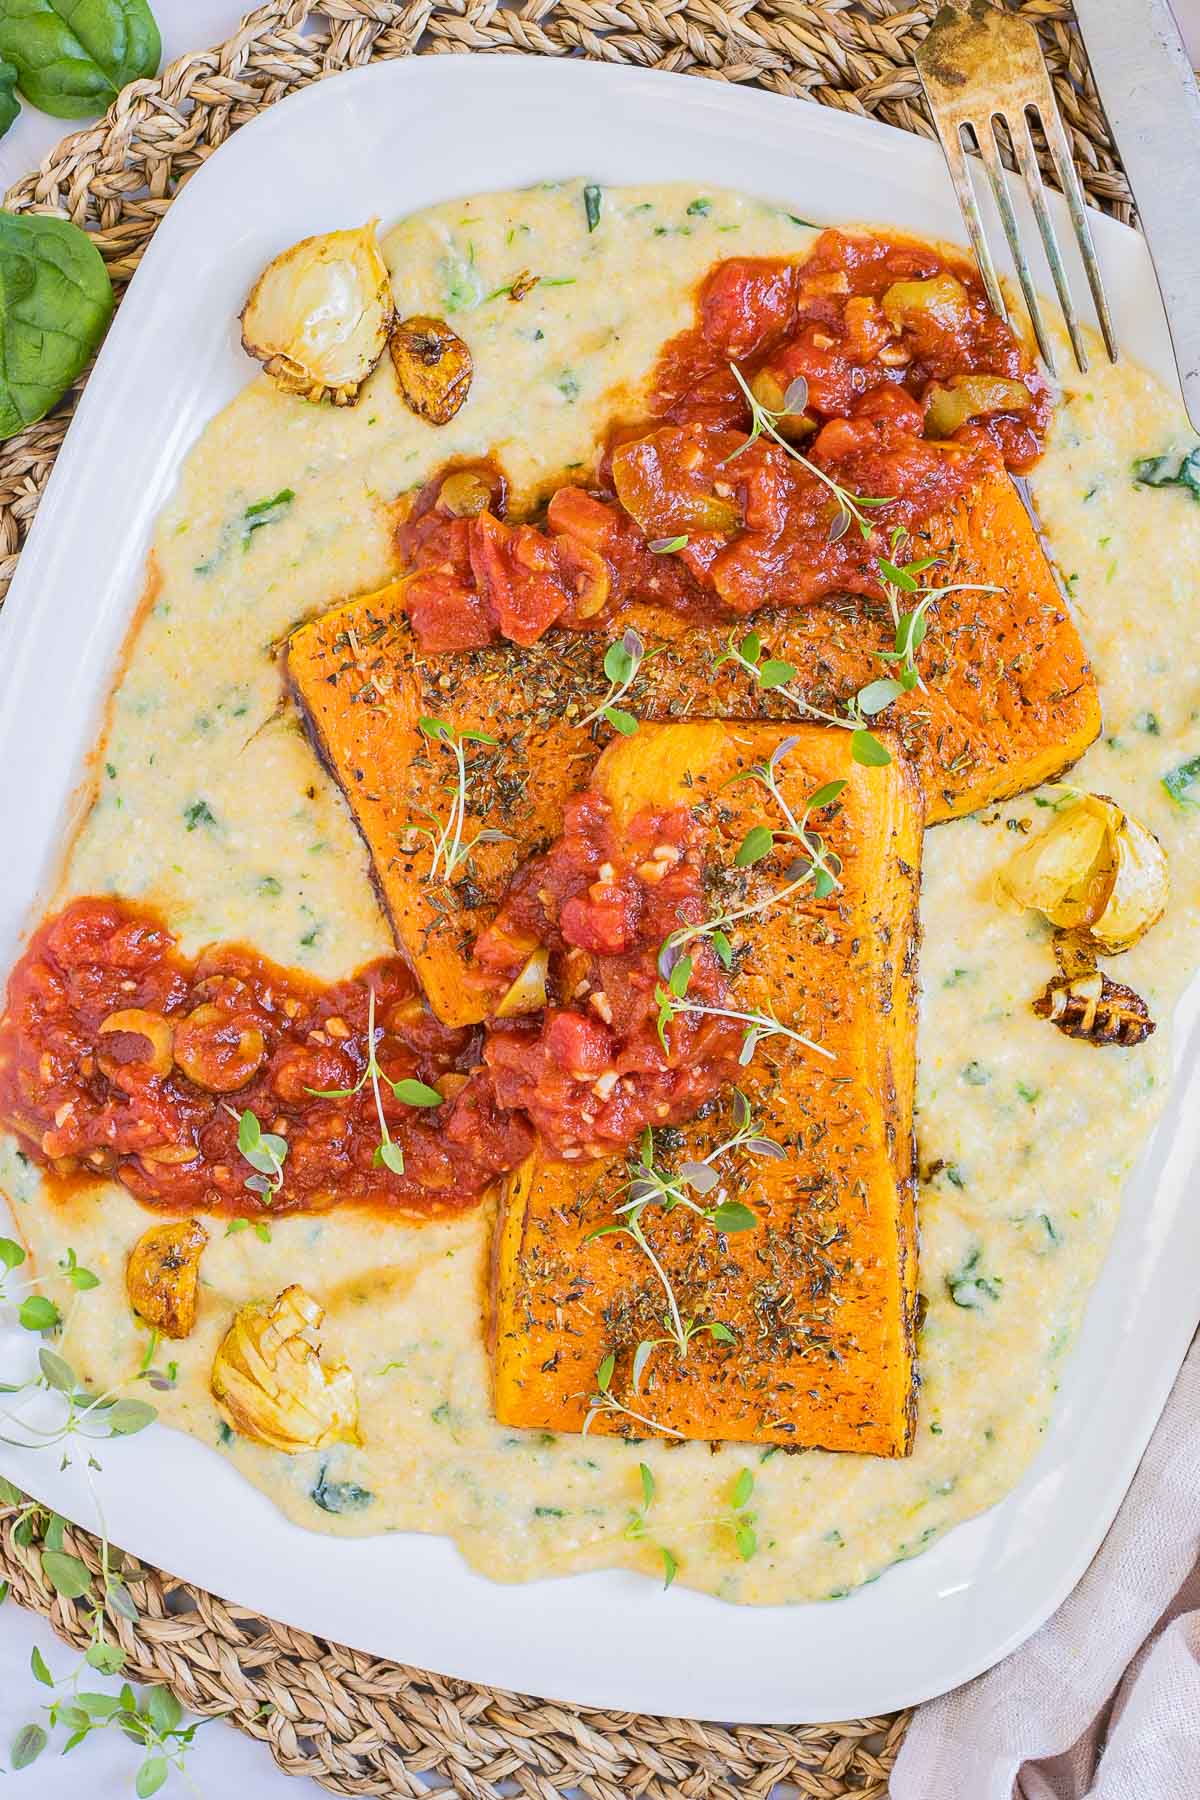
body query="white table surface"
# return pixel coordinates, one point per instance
(222, 1762)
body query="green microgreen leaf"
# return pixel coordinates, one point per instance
(66, 1574)
(36, 1313)
(28, 1745)
(757, 843)
(391, 1156)
(876, 695)
(57, 1372)
(11, 1254)
(732, 1215)
(1180, 781)
(866, 749)
(592, 200)
(130, 1416)
(416, 1093)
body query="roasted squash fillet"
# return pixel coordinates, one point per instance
(820, 1293)
(1009, 700)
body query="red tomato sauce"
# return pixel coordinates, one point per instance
(154, 1101)
(591, 1071)
(122, 1059)
(915, 391)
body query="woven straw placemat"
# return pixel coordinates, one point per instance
(356, 1724)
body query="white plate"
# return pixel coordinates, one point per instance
(391, 139)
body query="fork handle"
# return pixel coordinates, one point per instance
(1149, 94)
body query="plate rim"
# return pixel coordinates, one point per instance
(19, 627)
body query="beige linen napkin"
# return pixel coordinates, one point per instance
(1104, 1701)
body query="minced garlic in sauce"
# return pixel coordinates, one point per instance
(211, 807)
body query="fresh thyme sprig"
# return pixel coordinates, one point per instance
(822, 865)
(739, 1519)
(773, 674)
(265, 1151)
(604, 1400)
(817, 864)
(758, 1027)
(622, 660)
(763, 422)
(446, 836)
(638, 1528)
(899, 579)
(686, 1186)
(896, 579)
(156, 1722)
(408, 1092)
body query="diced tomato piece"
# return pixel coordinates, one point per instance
(747, 305)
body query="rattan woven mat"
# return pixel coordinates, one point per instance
(356, 1724)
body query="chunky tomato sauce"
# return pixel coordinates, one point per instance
(592, 1071)
(912, 390)
(120, 1058)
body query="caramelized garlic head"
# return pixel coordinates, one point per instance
(272, 1384)
(1094, 871)
(318, 317)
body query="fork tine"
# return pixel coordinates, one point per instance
(956, 162)
(989, 149)
(1027, 162)
(1068, 180)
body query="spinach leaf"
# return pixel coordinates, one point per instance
(74, 56)
(1170, 471)
(10, 106)
(55, 302)
(339, 1496)
(1180, 782)
(969, 1286)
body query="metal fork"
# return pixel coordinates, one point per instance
(982, 67)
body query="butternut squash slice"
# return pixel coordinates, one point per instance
(816, 1300)
(1009, 701)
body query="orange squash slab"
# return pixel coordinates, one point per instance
(818, 1296)
(1009, 700)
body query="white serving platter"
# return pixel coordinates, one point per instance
(388, 140)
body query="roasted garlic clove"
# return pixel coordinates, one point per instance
(318, 317)
(1094, 871)
(163, 1272)
(271, 1383)
(1095, 1008)
(528, 992)
(433, 368)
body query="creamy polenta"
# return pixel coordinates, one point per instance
(211, 807)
